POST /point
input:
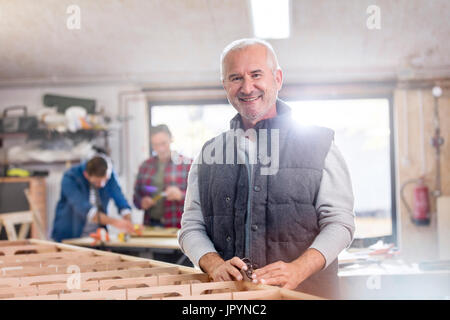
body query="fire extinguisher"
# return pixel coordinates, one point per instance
(420, 215)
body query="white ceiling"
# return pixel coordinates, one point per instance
(175, 42)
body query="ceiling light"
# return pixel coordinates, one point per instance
(270, 18)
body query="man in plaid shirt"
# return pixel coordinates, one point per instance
(161, 182)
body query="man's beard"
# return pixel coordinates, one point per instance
(262, 113)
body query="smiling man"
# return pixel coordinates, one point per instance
(289, 226)
(252, 82)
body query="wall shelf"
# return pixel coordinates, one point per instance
(48, 135)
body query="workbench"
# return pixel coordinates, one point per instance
(142, 246)
(392, 280)
(43, 270)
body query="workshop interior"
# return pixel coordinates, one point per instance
(105, 107)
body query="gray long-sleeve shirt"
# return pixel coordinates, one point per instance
(334, 207)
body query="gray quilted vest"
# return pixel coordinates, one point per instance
(283, 218)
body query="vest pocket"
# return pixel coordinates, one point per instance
(291, 222)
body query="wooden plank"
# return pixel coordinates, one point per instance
(138, 282)
(101, 275)
(164, 280)
(182, 279)
(18, 271)
(17, 217)
(285, 293)
(159, 292)
(47, 256)
(9, 243)
(27, 249)
(23, 232)
(36, 196)
(271, 294)
(60, 288)
(212, 296)
(296, 295)
(60, 262)
(132, 273)
(10, 231)
(49, 297)
(9, 282)
(216, 287)
(139, 242)
(95, 295)
(6, 293)
(45, 279)
(154, 263)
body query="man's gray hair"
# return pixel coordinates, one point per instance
(247, 42)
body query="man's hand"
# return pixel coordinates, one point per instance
(290, 275)
(286, 275)
(124, 225)
(220, 270)
(173, 193)
(147, 203)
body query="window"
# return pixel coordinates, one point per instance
(362, 134)
(192, 125)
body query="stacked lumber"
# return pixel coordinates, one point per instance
(43, 270)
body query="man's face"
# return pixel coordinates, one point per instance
(251, 86)
(98, 182)
(161, 144)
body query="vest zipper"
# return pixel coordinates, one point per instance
(249, 207)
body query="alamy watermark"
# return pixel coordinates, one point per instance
(373, 282)
(74, 280)
(252, 146)
(374, 19)
(74, 20)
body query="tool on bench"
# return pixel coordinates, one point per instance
(250, 269)
(124, 236)
(100, 236)
(153, 189)
(159, 196)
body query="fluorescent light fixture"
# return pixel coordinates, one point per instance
(270, 18)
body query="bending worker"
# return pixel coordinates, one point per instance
(290, 220)
(85, 193)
